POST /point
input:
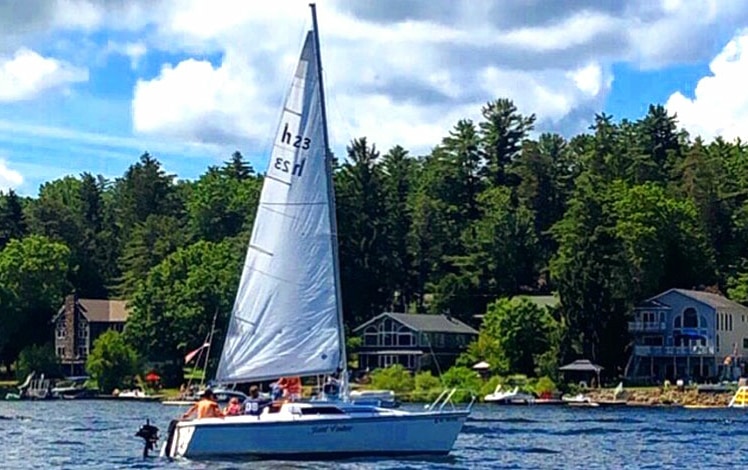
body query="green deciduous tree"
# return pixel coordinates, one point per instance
(33, 276)
(40, 359)
(112, 363)
(514, 334)
(174, 306)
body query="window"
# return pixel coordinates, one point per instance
(729, 321)
(82, 329)
(745, 343)
(60, 351)
(61, 328)
(690, 319)
(371, 336)
(82, 352)
(716, 344)
(404, 338)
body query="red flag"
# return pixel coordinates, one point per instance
(191, 355)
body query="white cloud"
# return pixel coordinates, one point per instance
(27, 74)
(135, 51)
(198, 102)
(391, 83)
(9, 178)
(398, 72)
(720, 103)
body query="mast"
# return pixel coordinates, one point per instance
(331, 205)
(210, 342)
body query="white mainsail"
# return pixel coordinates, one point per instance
(285, 318)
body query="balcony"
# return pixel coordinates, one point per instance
(680, 351)
(646, 327)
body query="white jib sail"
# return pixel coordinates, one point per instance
(284, 320)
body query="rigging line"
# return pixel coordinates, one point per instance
(433, 354)
(342, 122)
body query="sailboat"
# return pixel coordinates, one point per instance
(287, 318)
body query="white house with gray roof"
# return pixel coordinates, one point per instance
(415, 341)
(688, 334)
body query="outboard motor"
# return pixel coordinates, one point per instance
(149, 434)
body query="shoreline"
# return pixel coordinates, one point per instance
(661, 397)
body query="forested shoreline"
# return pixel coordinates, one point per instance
(603, 220)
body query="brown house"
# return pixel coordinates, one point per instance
(77, 325)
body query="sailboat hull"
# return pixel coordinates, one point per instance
(379, 433)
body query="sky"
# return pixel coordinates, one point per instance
(89, 85)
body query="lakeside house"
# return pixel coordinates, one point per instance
(687, 334)
(416, 341)
(78, 323)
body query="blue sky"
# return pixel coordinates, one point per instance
(89, 86)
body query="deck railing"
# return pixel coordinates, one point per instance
(643, 327)
(641, 350)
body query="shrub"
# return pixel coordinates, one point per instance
(395, 378)
(544, 385)
(490, 385)
(427, 387)
(467, 382)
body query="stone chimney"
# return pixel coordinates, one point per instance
(70, 324)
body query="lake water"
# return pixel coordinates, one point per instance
(100, 434)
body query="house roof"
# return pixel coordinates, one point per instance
(425, 323)
(101, 310)
(107, 311)
(652, 303)
(716, 301)
(581, 365)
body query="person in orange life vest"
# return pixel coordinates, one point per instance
(291, 388)
(234, 408)
(205, 408)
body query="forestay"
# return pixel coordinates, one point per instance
(285, 319)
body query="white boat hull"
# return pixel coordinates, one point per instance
(304, 436)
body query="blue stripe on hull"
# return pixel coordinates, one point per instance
(326, 455)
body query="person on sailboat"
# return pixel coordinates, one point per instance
(234, 408)
(291, 387)
(255, 403)
(205, 408)
(331, 389)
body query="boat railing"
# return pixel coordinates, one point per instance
(445, 398)
(740, 399)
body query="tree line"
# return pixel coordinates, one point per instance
(603, 220)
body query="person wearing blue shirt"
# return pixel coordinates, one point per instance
(255, 403)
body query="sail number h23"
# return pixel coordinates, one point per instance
(296, 141)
